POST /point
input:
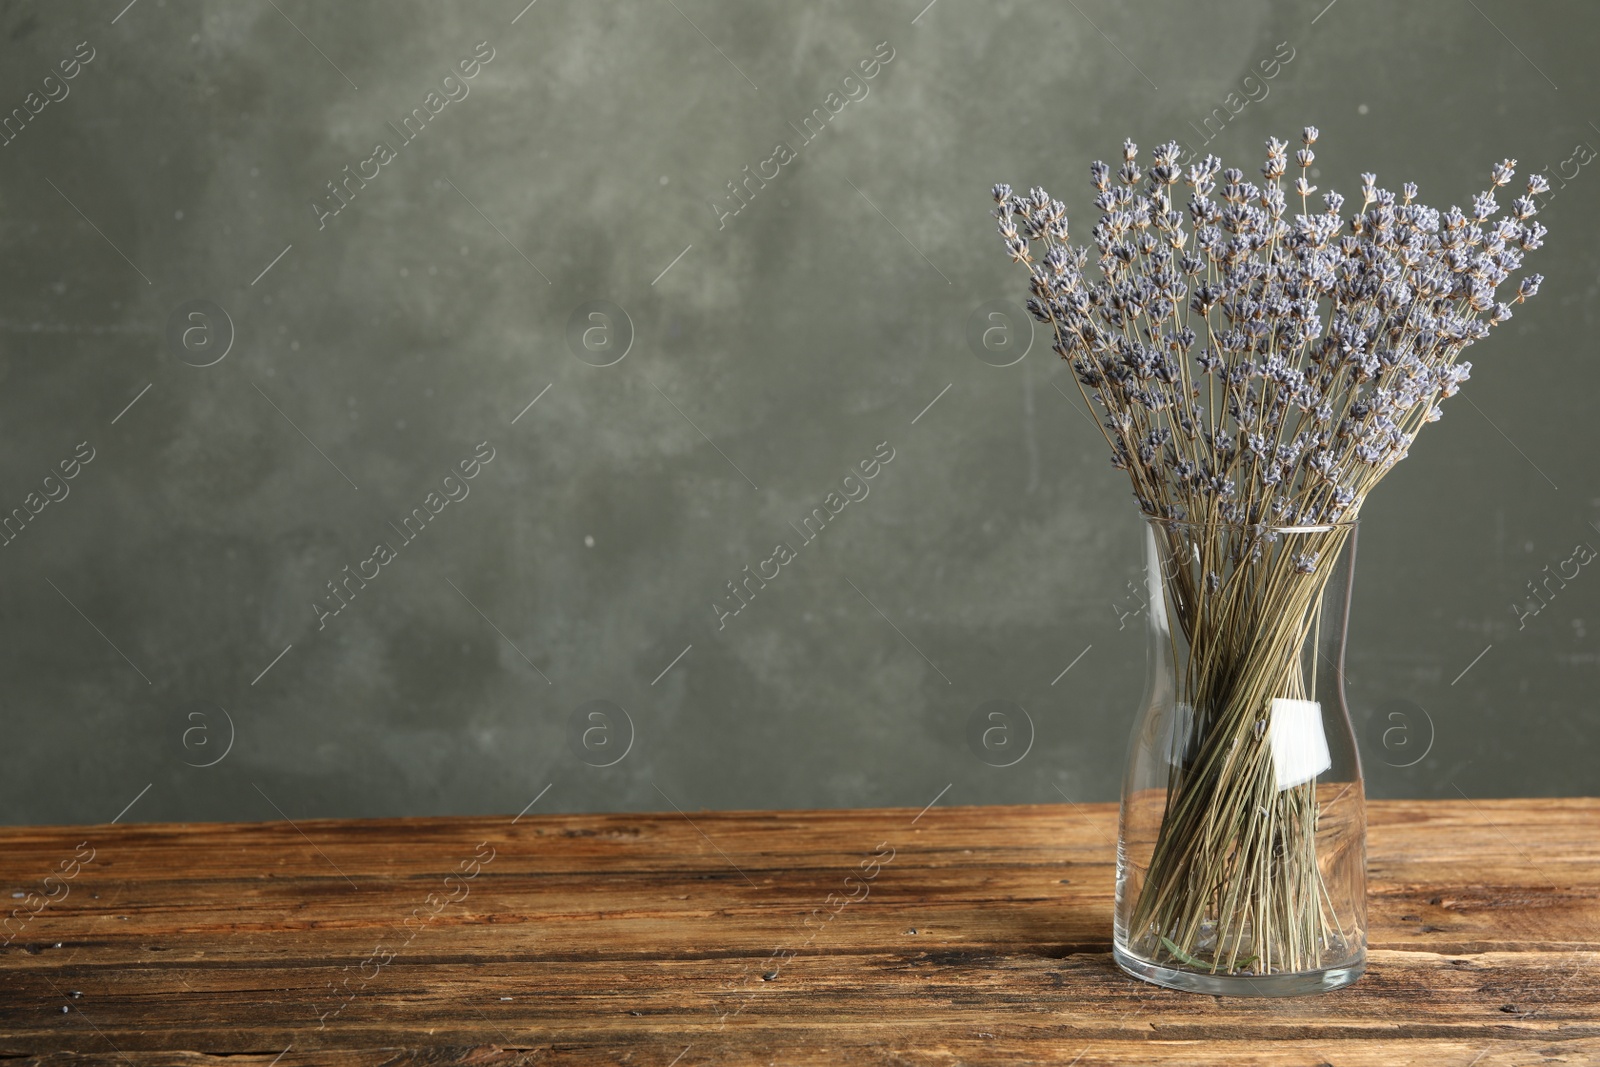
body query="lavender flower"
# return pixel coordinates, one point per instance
(1258, 363)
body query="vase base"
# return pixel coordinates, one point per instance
(1294, 984)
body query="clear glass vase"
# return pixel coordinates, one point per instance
(1241, 857)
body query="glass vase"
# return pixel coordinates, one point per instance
(1241, 856)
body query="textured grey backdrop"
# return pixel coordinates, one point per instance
(162, 613)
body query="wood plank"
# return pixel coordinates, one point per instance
(982, 937)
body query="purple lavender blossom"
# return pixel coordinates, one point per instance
(1260, 362)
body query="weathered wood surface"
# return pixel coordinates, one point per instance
(978, 936)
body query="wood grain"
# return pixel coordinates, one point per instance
(977, 936)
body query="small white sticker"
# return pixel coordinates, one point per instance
(1299, 747)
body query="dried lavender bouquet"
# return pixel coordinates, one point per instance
(1255, 372)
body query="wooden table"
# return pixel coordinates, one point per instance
(886, 936)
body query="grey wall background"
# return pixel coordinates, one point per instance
(820, 321)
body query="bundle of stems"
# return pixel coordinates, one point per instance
(1252, 433)
(1234, 880)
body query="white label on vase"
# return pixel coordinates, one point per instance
(1299, 747)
